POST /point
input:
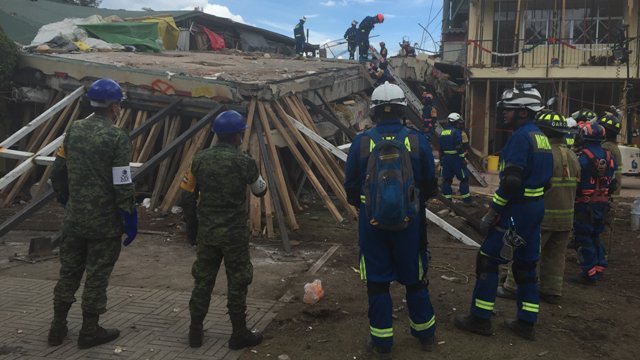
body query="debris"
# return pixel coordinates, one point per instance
(355, 270)
(254, 351)
(399, 308)
(19, 331)
(118, 350)
(175, 309)
(176, 210)
(146, 203)
(313, 292)
(441, 342)
(443, 212)
(283, 356)
(448, 278)
(268, 56)
(543, 353)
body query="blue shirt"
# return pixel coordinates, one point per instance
(451, 141)
(587, 170)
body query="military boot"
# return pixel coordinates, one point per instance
(522, 328)
(196, 331)
(92, 334)
(474, 324)
(428, 343)
(59, 330)
(242, 337)
(379, 352)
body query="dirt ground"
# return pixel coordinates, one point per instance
(599, 321)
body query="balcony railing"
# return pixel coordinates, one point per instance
(545, 54)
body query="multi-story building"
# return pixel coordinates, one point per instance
(584, 52)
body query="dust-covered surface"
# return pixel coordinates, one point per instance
(600, 321)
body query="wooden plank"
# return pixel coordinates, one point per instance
(250, 115)
(279, 176)
(255, 212)
(139, 141)
(162, 176)
(318, 264)
(16, 136)
(267, 204)
(457, 234)
(303, 164)
(150, 142)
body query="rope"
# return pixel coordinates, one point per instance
(445, 267)
(551, 40)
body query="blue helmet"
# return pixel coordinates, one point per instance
(103, 92)
(228, 122)
(592, 131)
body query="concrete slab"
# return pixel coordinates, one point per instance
(153, 323)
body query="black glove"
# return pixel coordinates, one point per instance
(490, 219)
(192, 231)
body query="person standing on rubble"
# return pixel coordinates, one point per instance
(92, 179)
(597, 183)
(559, 202)
(364, 29)
(453, 159)
(514, 217)
(351, 36)
(429, 114)
(298, 32)
(612, 125)
(390, 235)
(214, 201)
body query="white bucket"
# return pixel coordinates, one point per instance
(635, 222)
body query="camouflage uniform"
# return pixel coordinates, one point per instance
(557, 224)
(612, 147)
(91, 170)
(217, 183)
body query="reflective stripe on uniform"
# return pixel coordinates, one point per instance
(381, 333)
(558, 213)
(534, 192)
(465, 196)
(407, 143)
(499, 200)
(423, 326)
(363, 269)
(563, 182)
(420, 269)
(363, 199)
(450, 152)
(530, 307)
(485, 305)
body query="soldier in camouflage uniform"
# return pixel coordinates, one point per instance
(91, 177)
(612, 124)
(214, 201)
(558, 212)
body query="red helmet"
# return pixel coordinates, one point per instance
(427, 95)
(380, 18)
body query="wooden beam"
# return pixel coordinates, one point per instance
(255, 211)
(250, 115)
(457, 234)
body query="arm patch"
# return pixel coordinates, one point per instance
(121, 175)
(188, 182)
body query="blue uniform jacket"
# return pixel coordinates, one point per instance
(451, 141)
(365, 27)
(351, 34)
(585, 185)
(298, 31)
(529, 149)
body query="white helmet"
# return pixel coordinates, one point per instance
(524, 97)
(454, 118)
(354, 22)
(388, 94)
(571, 123)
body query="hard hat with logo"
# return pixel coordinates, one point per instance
(592, 132)
(611, 123)
(103, 92)
(228, 122)
(387, 94)
(584, 115)
(524, 97)
(551, 120)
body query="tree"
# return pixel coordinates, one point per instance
(90, 3)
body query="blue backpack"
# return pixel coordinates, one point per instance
(392, 199)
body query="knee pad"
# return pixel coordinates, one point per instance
(524, 272)
(417, 287)
(484, 264)
(376, 288)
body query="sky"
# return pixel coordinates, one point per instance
(327, 20)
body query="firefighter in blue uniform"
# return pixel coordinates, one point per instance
(298, 32)
(351, 35)
(514, 217)
(597, 183)
(365, 27)
(452, 158)
(393, 255)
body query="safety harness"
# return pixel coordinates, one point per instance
(599, 179)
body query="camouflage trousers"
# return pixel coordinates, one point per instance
(97, 257)
(553, 247)
(239, 269)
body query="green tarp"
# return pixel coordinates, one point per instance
(139, 34)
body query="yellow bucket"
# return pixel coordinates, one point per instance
(492, 162)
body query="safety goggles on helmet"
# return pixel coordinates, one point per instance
(386, 94)
(611, 123)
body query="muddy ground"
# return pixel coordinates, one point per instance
(601, 321)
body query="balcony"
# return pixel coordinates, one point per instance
(553, 58)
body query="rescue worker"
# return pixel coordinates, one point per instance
(377, 74)
(597, 182)
(584, 115)
(214, 197)
(570, 137)
(384, 52)
(365, 27)
(514, 217)
(429, 114)
(399, 254)
(612, 126)
(453, 158)
(92, 179)
(559, 201)
(351, 36)
(298, 32)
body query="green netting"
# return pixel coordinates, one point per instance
(140, 34)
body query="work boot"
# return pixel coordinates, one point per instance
(428, 343)
(380, 352)
(196, 331)
(59, 330)
(92, 334)
(582, 280)
(242, 337)
(550, 299)
(522, 328)
(505, 293)
(474, 324)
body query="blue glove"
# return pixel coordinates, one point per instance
(130, 225)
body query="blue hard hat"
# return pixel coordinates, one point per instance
(228, 122)
(104, 91)
(592, 131)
